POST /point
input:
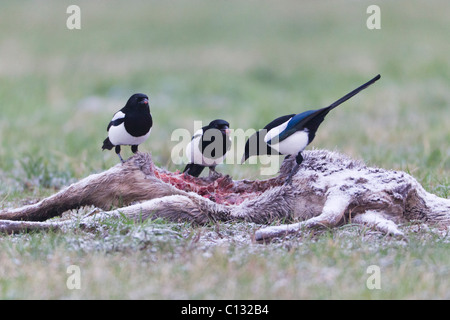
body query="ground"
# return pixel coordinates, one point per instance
(247, 63)
(172, 261)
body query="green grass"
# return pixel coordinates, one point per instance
(245, 62)
(169, 261)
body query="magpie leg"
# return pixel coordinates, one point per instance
(291, 174)
(134, 148)
(298, 160)
(213, 173)
(118, 153)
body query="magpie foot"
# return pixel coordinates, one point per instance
(213, 173)
(291, 174)
(117, 149)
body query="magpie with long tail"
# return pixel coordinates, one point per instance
(208, 147)
(130, 126)
(290, 134)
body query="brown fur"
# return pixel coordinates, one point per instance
(329, 189)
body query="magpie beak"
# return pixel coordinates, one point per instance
(208, 147)
(290, 134)
(131, 125)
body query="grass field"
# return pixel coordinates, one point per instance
(247, 62)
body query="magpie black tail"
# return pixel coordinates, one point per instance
(107, 144)
(351, 94)
(193, 169)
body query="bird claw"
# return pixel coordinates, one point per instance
(214, 174)
(288, 181)
(291, 174)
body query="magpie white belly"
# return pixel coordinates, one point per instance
(119, 136)
(293, 144)
(194, 155)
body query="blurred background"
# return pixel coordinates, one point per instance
(244, 61)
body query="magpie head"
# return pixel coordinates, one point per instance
(138, 99)
(221, 125)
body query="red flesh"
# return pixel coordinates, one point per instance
(222, 190)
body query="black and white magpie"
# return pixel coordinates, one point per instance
(290, 134)
(208, 147)
(131, 125)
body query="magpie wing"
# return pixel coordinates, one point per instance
(313, 118)
(118, 118)
(115, 123)
(308, 119)
(217, 148)
(275, 123)
(278, 121)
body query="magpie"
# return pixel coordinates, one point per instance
(290, 134)
(131, 125)
(208, 147)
